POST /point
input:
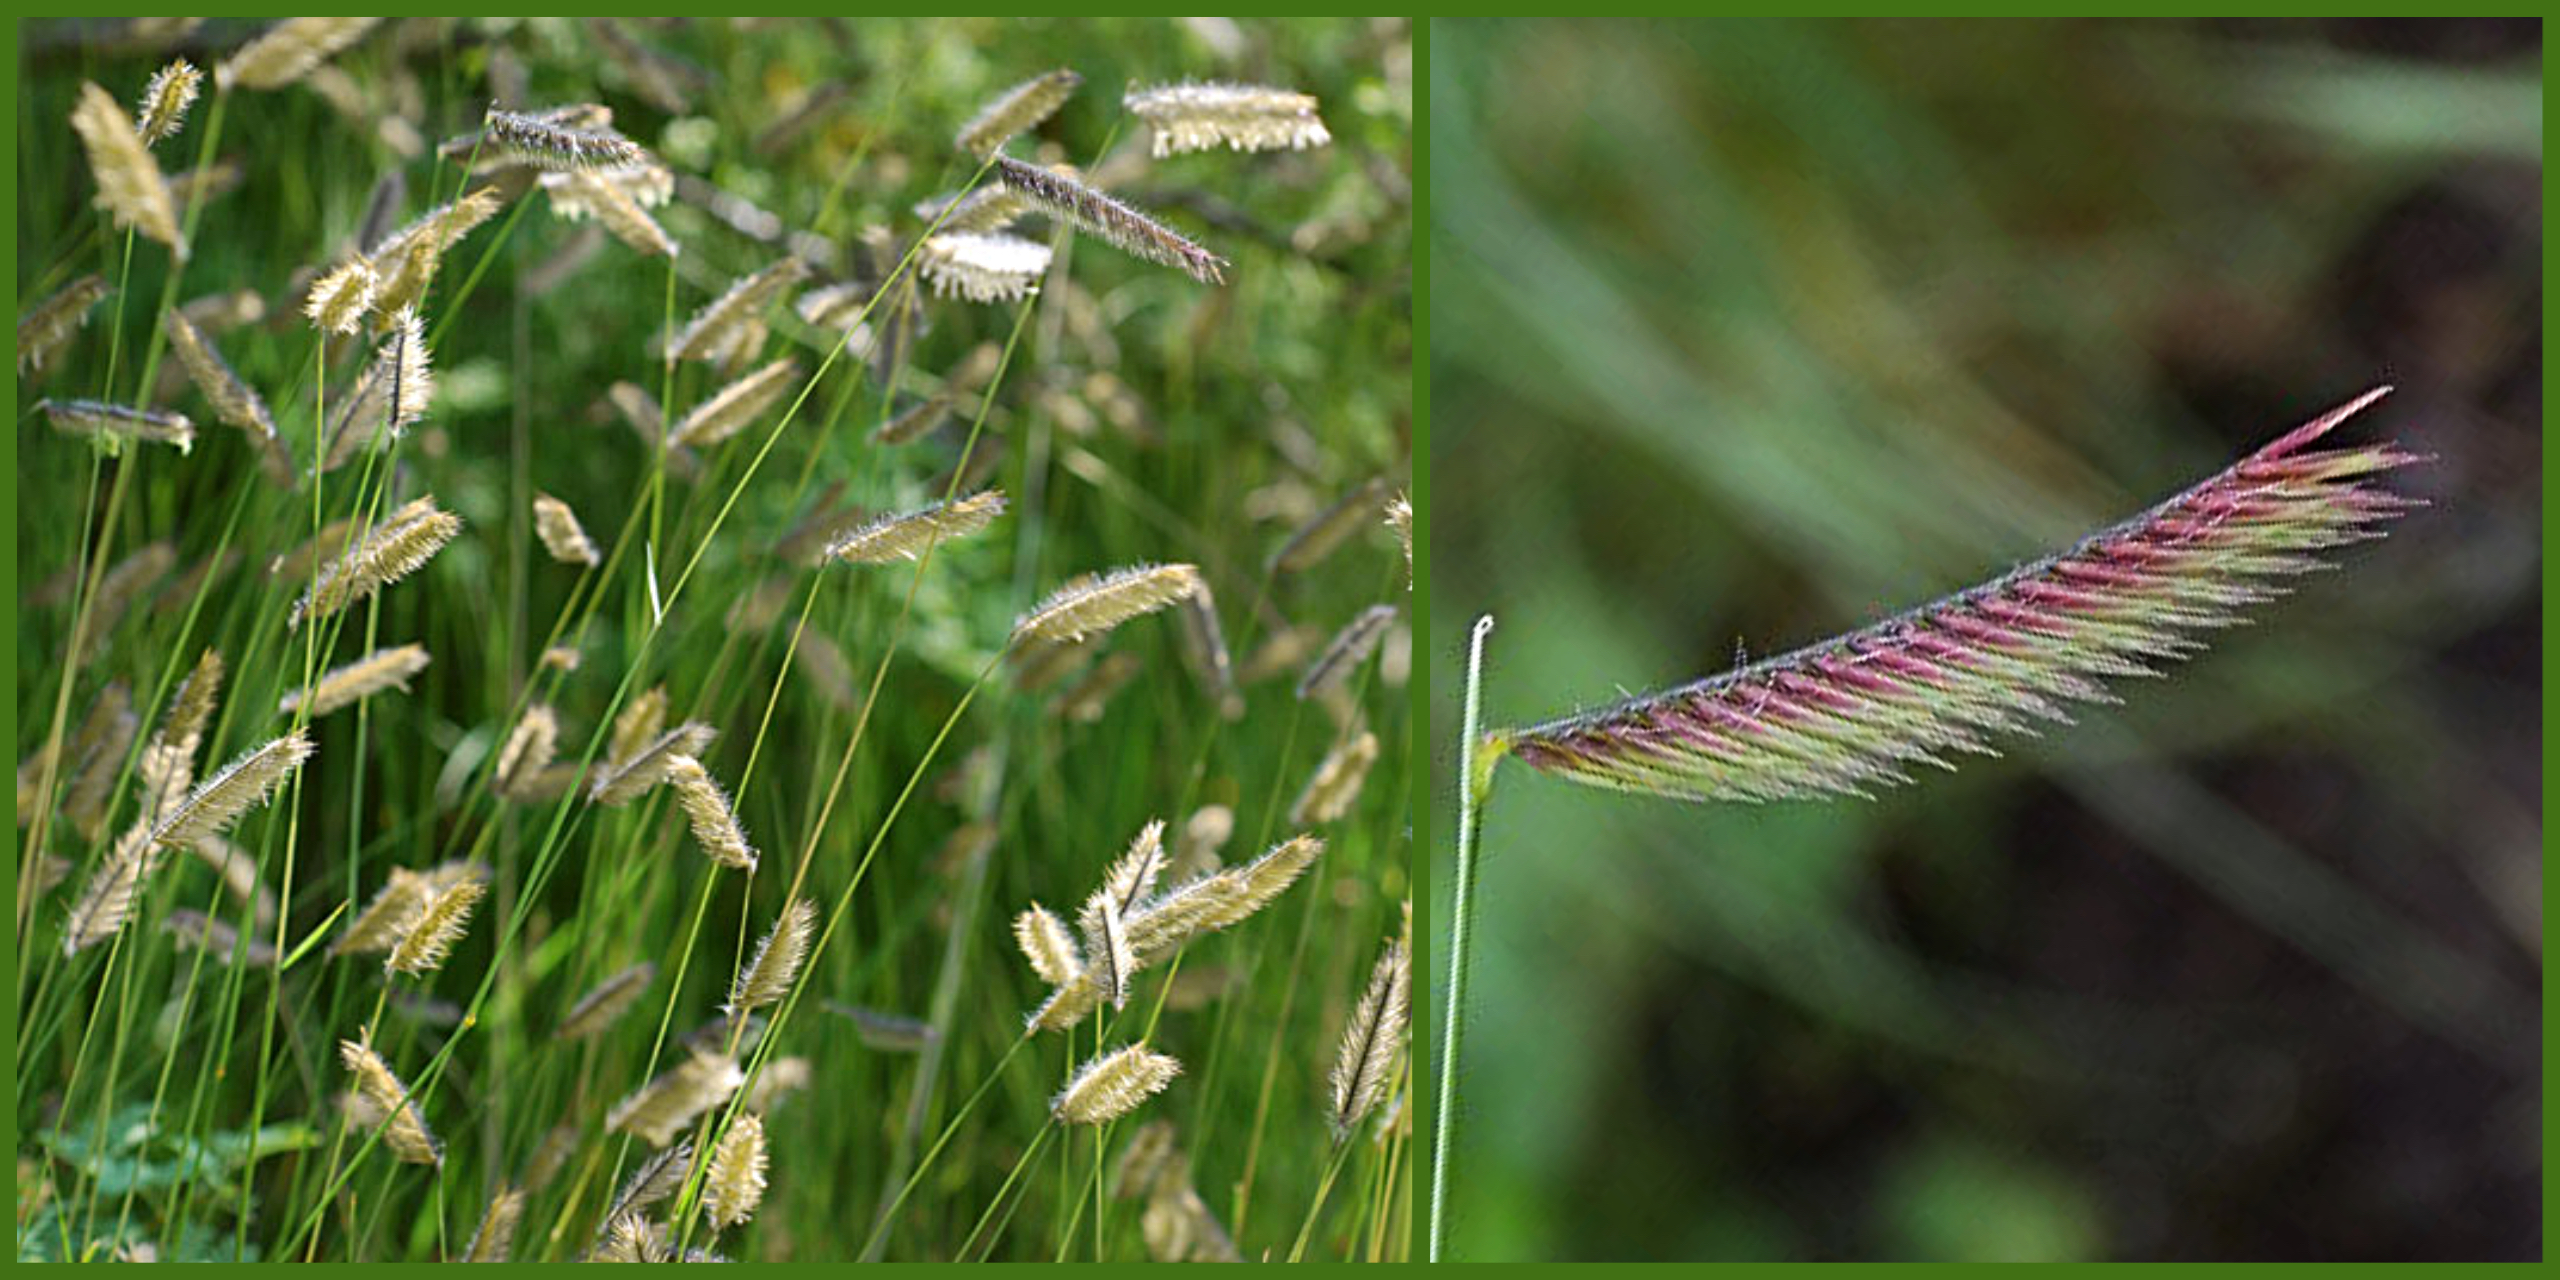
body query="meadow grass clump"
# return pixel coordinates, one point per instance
(736, 480)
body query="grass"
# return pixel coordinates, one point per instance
(877, 740)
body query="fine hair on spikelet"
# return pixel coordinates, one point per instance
(233, 401)
(982, 266)
(380, 926)
(608, 1001)
(658, 1177)
(340, 299)
(391, 394)
(1096, 603)
(1044, 942)
(1016, 110)
(907, 535)
(46, 326)
(1400, 519)
(405, 540)
(1321, 535)
(658, 1110)
(991, 207)
(1364, 1067)
(768, 977)
(619, 200)
(1336, 783)
(1112, 1085)
(287, 51)
(734, 407)
(707, 808)
(1350, 647)
(1241, 117)
(429, 933)
(406, 261)
(99, 420)
(360, 679)
(241, 785)
(529, 749)
(163, 110)
(130, 187)
(735, 1185)
(1108, 220)
(547, 141)
(495, 1237)
(405, 1130)
(562, 535)
(705, 336)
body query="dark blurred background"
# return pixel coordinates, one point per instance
(1754, 332)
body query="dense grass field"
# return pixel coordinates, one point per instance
(898, 752)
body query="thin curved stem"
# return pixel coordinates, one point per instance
(1471, 796)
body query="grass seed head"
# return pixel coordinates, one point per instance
(1111, 1086)
(736, 1182)
(288, 51)
(339, 301)
(562, 535)
(1045, 943)
(406, 1132)
(495, 1237)
(1364, 1067)
(1094, 604)
(610, 999)
(1016, 110)
(130, 187)
(361, 679)
(243, 784)
(165, 100)
(1114, 223)
(546, 141)
(1336, 783)
(706, 806)
(907, 535)
(102, 421)
(430, 932)
(664, 1106)
(768, 978)
(49, 324)
(1240, 117)
(983, 266)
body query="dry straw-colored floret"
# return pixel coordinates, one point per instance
(1364, 1067)
(360, 679)
(1336, 784)
(1044, 942)
(1400, 519)
(661, 1109)
(618, 203)
(50, 323)
(130, 187)
(114, 422)
(913, 422)
(339, 301)
(562, 535)
(379, 926)
(1241, 117)
(907, 535)
(767, 978)
(734, 407)
(610, 999)
(427, 937)
(1106, 219)
(405, 540)
(1350, 647)
(1111, 1086)
(658, 1177)
(632, 1238)
(406, 260)
(232, 400)
(495, 1237)
(390, 396)
(241, 785)
(544, 141)
(706, 807)
(1094, 604)
(165, 100)
(1204, 650)
(707, 335)
(983, 266)
(405, 1129)
(735, 1185)
(1319, 537)
(638, 728)
(1017, 109)
(529, 749)
(108, 900)
(287, 51)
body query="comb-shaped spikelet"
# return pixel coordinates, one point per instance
(610, 999)
(50, 323)
(430, 932)
(1853, 712)
(1044, 942)
(528, 750)
(222, 798)
(107, 902)
(991, 207)
(706, 806)
(360, 679)
(906, 535)
(1365, 1064)
(167, 767)
(1110, 221)
(1350, 647)
(130, 187)
(406, 1130)
(232, 400)
(1336, 783)
(1400, 519)
(638, 727)
(1093, 604)
(547, 142)
(1110, 962)
(1309, 544)
(1019, 108)
(392, 393)
(495, 1237)
(406, 539)
(562, 535)
(735, 406)
(339, 300)
(406, 260)
(287, 51)
(735, 1185)
(1241, 117)
(1112, 1085)
(620, 200)
(768, 977)
(98, 419)
(982, 266)
(707, 333)
(664, 1106)
(378, 927)
(165, 100)
(657, 1178)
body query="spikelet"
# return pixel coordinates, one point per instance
(736, 1181)
(339, 301)
(658, 1177)
(129, 183)
(982, 266)
(50, 323)
(406, 261)
(1319, 537)
(1365, 1065)
(232, 400)
(638, 727)
(429, 933)
(1400, 519)
(1132, 879)
(1044, 942)
(1017, 109)
(392, 394)
(1091, 605)
(561, 657)
(287, 51)
(495, 1237)
(1241, 117)
(768, 977)
(1216, 901)
(1084, 701)
(618, 205)
(632, 1238)
(610, 999)
(201, 932)
(992, 207)
(780, 1077)
(1331, 671)
(106, 733)
(406, 1132)
(736, 405)
(664, 1106)
(1110, 221)
(915, 422)
(1111, 1086)
(169, 759)
(706, 806)
(1111, 963)
(107, 902)
(1336, 784)
(1204, 649)
(242, 785)
(165, 100)
(529, 749)
(405, 540)
(545, 142)
(1204, 837)
(907, 535)
(706, 335)
(1266, 877)
(562, 536)
(577, 117)
(379, 926)
(1854, 712)
(360, 679)
(114, 422)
